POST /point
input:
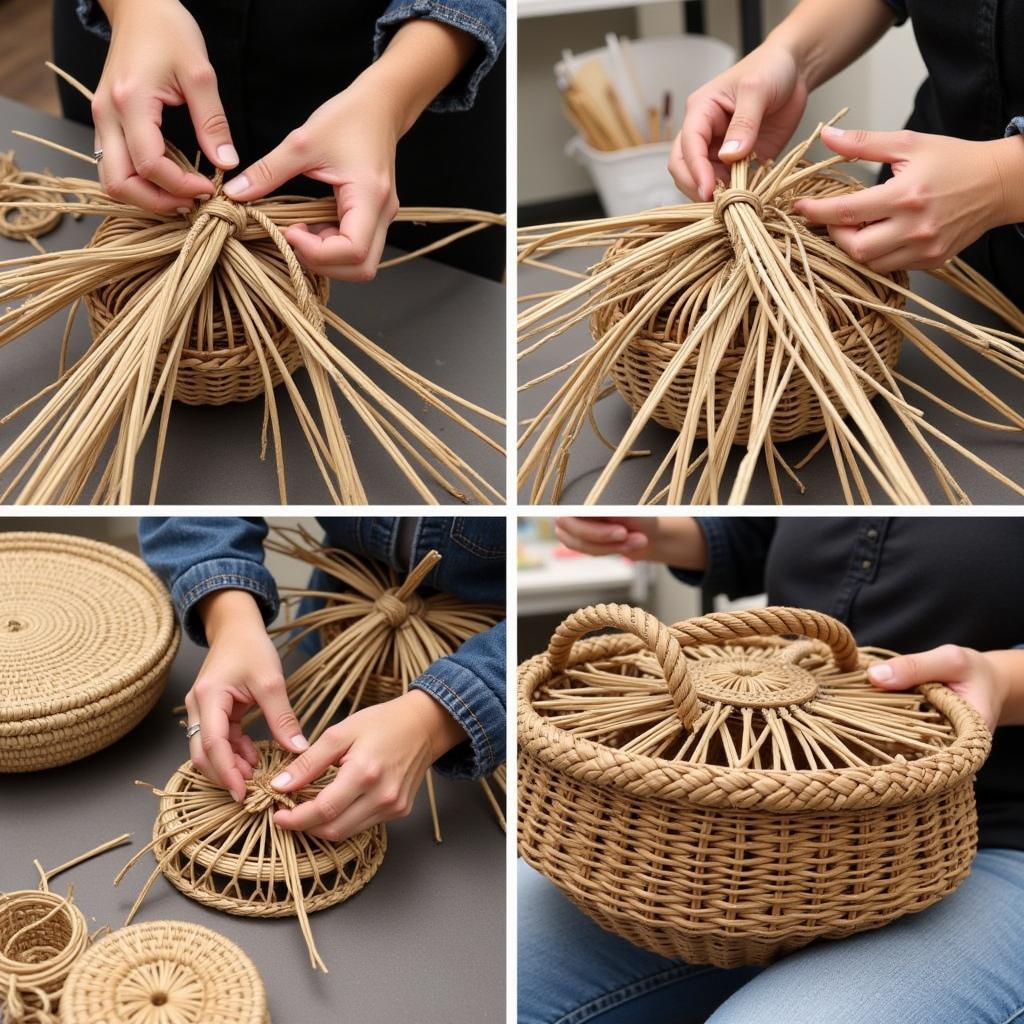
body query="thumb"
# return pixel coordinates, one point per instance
(751, 101)
(281, 719)
(946, 664)
(307, 767)
(208, 117)
(883, 147)
(269, 172)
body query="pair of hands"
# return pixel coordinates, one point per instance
(983, 679)
(383, 751)
(157, 59)
(944, 193)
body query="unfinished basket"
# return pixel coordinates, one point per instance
(714, 792)
(232, 857)
(165, 972)
(87, 635)
(219, 362)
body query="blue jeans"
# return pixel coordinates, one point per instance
(959, 962)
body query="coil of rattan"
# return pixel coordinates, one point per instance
(165, 972)
(26, 222)
(232, 857)
(715, 792)
(87, 635)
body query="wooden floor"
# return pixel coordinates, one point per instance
(26, 32)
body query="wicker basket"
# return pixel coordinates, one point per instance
(713, 792)
(164, 972)
(87, 635)
(219, 363)
(648, 353)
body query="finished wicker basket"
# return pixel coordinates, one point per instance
(219, 362)
(164, 972)
(718, 792)
(87, 635)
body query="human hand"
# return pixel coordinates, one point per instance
(242, 669)
(974, 676)
(157, 58)
(944, 194)
(607, 535)
(755, 106)
(383, 752)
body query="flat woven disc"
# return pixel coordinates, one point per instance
(87, 632)
(164, 972)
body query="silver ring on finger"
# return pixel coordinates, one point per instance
(192, 730)
(97, 155)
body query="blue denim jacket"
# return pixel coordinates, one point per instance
(484, 20)
(198, 555)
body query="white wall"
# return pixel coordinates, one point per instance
(878, 89)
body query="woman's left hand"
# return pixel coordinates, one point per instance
(383, 752)
(944, 194)
(973, 675)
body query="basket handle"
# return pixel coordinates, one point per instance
(655, 635)
(724, 627)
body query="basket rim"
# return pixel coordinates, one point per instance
(762, 790)
(46, 709)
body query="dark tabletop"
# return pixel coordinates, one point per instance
(443, 322)
(1004, 450)
(423, 942)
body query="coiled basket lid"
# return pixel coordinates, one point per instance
(87, 635)
(164, 972)
(720, 792)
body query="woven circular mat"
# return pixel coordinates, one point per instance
(87, 635)
(164, 972)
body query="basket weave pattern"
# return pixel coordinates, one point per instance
(165, 972)
(87, 635)
(741, 861)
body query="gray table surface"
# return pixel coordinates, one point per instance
(445, 323)
(1004, 450)
(423, 942)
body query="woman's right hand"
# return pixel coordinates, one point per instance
(755, 106)
(157, 58)
(607, 535)
(241, 669)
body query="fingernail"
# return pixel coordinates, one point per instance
(730, 147)
(702, 195)
(204, 196)
(184, 210)
(636, 541)
(282, 780)
(833, 131)
(300, 742)
(227, 155)
(880, 674)
(236, 185)
(239, 794)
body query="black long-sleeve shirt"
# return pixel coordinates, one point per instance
(904, 583)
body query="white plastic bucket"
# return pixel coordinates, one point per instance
(629, 180)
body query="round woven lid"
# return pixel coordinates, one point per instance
(79, 621)
(164, 972)
(734, 710)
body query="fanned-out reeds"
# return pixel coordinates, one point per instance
(211, 307)
(736, 323)
(378, 633)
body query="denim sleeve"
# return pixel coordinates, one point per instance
(737, 554)
(899, 8)
(195, 556)
(470, 684)
(91, 15)
(484, 20)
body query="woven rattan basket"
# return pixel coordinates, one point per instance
(164, 972)
(649, 351)
(87, 635)
(219, 363)
(714, 792)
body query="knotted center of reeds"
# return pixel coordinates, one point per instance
(227, 210)
(726, 197)
(261, 797)
(396, 610)
(751, 682)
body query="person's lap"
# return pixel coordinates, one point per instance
(962, 960)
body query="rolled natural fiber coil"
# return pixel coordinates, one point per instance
(165, 972)
(759, 825)
(651, 347)
(219, 362)
(42, 935)
(87, 635)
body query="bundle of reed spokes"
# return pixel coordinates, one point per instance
(378, 634)
(165, 972)
(739, 326)
(42, 937)
(212, 307)
(721, 792)
(232, 857)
